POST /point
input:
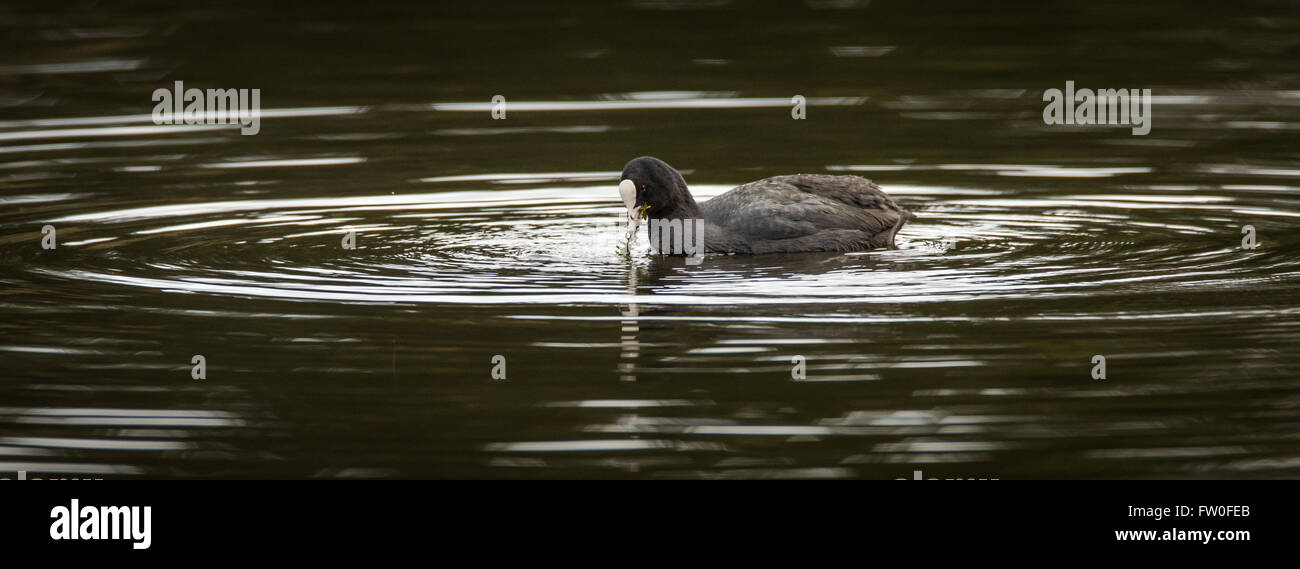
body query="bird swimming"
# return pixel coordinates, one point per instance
(781, 214)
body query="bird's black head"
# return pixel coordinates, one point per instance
(650, 181)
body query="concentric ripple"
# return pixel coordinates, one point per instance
(558, 244)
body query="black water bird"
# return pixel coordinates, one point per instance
(781, 214)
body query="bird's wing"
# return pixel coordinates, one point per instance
(786, 207)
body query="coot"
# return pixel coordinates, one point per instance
(781, 214)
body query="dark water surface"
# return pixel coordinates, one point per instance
(967, 352)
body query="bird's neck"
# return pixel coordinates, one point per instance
(683, 208)
(687, 210)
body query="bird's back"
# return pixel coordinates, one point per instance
(802, 212)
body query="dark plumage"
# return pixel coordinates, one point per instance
(781, 214)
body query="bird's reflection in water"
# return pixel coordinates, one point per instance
(631, 347)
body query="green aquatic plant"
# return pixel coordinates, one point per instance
(624, 247)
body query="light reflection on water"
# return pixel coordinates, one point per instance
(966, 349)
